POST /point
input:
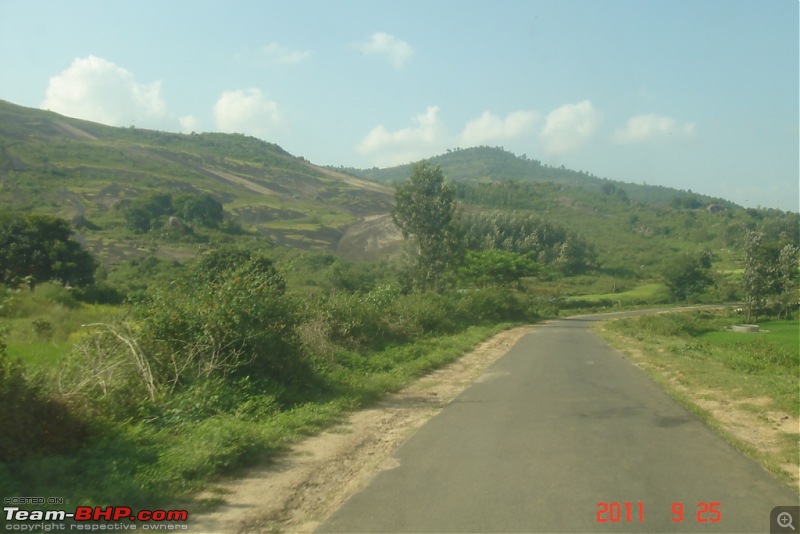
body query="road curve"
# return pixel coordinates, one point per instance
(560, 425)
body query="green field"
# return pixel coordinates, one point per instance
(643, 293)
(785, 333)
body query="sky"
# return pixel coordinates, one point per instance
(691, 94)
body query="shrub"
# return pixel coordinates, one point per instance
(32, 423)
(43, 329)
(223, 316)
(107, 372)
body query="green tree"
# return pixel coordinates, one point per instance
(757, 278)
(787, 279)
(688, 275)
(425, 212)
(575, 255)
(497, 267)
(203, 209)
(40, 248)
(148, 212)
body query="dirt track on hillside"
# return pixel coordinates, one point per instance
(298, 491)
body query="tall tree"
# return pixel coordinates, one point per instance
(425, 210)
(757, 276)
(787, 279)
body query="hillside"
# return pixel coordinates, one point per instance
(91, 174)
(633, 227)
(494, 164)
(87, 172)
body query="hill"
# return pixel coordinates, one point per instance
(88, 172)
(634, 227)
(93, 174)
(494, 164)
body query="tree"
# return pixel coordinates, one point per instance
(756, 279)
(203, 209)
(770, 267)
(687, 275)
(148, 212)
(40, 248)
(787, 282)
(425, 210)
(500, 267)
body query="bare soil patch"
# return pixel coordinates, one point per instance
(372, 238)
(303, 487)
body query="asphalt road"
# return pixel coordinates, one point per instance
(558, 426)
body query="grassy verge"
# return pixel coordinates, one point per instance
(642, 296)
(745, 386)
(44, 324)
(142, 464)
(643, 293)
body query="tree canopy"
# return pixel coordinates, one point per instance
(687, 275)
(425, 211)
(37, 248)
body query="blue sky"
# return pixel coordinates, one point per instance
(699, 95)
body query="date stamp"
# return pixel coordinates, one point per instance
(628, 512)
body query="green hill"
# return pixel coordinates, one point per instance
(494, 164)
(91, 173)
(633, 227)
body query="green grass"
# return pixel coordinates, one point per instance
(39, 355)
(643, 293)
(45, 323)
(784, 333)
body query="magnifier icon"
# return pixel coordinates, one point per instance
(785, 520)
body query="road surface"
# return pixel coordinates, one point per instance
(560, 425)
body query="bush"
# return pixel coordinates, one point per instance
(32, 423)
(495, 305)
(227, 316)
(55, 292)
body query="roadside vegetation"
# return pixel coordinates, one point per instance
(227, 328)
(743, 384)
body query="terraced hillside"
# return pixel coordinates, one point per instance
(90, 173)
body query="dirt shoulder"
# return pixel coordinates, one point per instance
(299, 490)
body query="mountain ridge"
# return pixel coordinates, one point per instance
(495, 164)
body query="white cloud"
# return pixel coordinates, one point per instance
(489, 127)
(650, 127)
(95, 89)
(570, 126)
(248, 111)
(189, 123)
(394, 50)
(406, 145)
